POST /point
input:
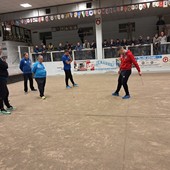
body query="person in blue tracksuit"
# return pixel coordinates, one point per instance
(25, 67)
(67, 60)
(40, 75)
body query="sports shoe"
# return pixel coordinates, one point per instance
(75, 85)
(68, 87)
(126, 97)
(115, 94)
(43, 97)
(34, 90)
(5, 112)
(11, 108)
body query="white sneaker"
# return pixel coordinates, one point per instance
(43, 97)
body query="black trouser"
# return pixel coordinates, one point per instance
(4, 93)
(122, 80)
(26, 78)
(68, 76)
(41, 85)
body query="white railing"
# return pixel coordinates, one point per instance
(108, 52)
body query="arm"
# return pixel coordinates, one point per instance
(21, 65)
(69, 62)
(34, 68)
(135, 64)
(3, 64)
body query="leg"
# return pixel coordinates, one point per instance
(66, 77)
(125, 76)
(40, 83)
(31, 81)
(119, 83)
(1, 104)
(6, 101)
(71, 77)
(25, 82)
(44, 83)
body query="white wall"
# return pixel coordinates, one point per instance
(144, 26)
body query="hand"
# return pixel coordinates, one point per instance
(119, 72)
(140, 73)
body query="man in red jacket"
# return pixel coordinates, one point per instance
(127, 59)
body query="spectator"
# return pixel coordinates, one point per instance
(140, 40)
(50, 47)
(163, 41)
(112, 43)
(67, 46)
(44, 49)
(81, 35)
(148, 40)
(124, 42)
(156, 44)
(78, 47)
(36, 49)
(133, 42)
(60, 47)
(93, 45)
(118, 43)
(86, 44)
(105, 44)
(168, 38)
(129, 42)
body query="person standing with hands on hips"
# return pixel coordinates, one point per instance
(40, 74)
(67, 60)
(127, 60)
(25, 67)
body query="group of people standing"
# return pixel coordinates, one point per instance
(40, 73)
(127, 59)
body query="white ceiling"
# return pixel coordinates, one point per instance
(14, 5)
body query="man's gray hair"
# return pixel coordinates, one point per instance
(25, 53)
(40, 56)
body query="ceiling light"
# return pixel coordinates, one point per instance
(26, 5)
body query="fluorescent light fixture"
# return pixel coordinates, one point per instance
(26, 5)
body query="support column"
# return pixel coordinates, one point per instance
(99, 37)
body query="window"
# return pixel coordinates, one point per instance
(127, 27)
(45, 35)
(15, 33)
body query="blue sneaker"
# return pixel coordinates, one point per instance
(68, 87)
(75, 85)
(115, 94)
(126, 97)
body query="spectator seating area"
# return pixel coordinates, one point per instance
(157, 45)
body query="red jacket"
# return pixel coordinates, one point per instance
(127, 60)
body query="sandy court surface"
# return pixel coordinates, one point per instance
(85, 128)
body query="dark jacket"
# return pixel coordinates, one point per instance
(3, 70)
(25, 66)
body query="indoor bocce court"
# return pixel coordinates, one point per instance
(86, 128)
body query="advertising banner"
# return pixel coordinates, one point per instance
(149, 61)
(95, 65)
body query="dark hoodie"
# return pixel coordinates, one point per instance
(3, 70)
